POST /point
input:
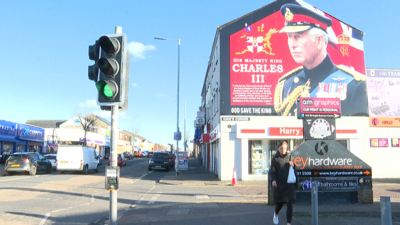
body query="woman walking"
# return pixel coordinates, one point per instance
(283, 191)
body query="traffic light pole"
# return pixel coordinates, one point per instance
(114, 162)
(114, 149)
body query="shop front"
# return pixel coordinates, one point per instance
(8, 142)
(249, 146)
(30, 138)
(215, 149)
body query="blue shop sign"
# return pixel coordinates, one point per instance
(30, 133)
(8, 128)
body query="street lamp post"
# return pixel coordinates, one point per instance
(177, 105)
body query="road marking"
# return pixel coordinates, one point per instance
(92, 198)
(145, 175)
(154, 198)
(44, 219)
(11, 179)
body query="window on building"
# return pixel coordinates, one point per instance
(212, 108)
(216, 101)
(8, 147)
(258, 164)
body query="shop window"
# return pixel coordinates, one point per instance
(20, 148)
(257, 158)
(296, 143)
(8, 148)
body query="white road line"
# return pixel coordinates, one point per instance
(154, 198)
(92, 198)
(11, 179)
(145, 175)
(44, 219)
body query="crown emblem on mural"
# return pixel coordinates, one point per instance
(343, 39)
(288, 15)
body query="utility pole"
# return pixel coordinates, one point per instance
(184, 135)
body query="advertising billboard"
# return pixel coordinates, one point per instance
(271, 64)
(383, 89)
(327, 158)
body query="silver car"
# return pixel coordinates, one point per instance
(52, 158)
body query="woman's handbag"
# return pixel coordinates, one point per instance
(291, 179)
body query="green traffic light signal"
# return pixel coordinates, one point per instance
(108, 88)
(110, 71)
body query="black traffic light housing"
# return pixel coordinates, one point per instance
(93, 71)
(110, 71)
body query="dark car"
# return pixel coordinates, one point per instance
(160, 160)
(127, 155)
(27, 162)
(149, 154)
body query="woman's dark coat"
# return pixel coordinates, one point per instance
(278, 172)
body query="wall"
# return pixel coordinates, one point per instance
(234, 150)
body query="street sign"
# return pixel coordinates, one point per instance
(319, 107)
(319, 129)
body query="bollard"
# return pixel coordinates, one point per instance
(314, 203)
(386, 211)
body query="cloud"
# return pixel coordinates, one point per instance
(134, 85)
(161, 95)
(138, 50)
(89, 104)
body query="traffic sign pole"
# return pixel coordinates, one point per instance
(114, 147)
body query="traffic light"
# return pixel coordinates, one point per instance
(93, 71)
(111, 70)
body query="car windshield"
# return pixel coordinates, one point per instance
(50, 156)
(160, 156)
(12, 157)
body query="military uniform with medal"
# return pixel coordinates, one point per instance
(324, 80)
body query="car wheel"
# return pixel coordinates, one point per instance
(8, 173)
(97, 168)
(149, 169)
(168, 169)
(85, 169)
(62, 172)
(32, 171)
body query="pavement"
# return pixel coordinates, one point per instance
(212, 201)
(197, 196)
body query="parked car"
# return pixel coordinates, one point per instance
(77, 158)
(27, 162)
(127, 155)
(160, 160)
(149, 154)
(121, 160)
(137, 153)
(52, 158)
(144, 153)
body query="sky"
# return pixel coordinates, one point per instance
(44, 55)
